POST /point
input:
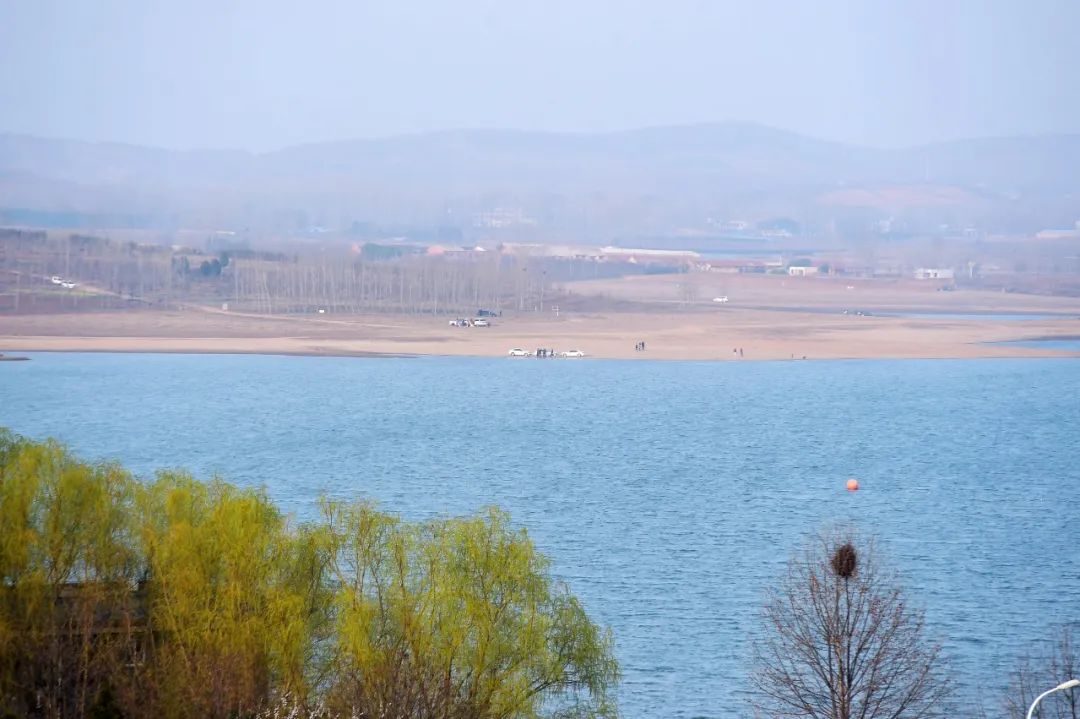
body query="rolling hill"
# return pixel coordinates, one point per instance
(653, 180)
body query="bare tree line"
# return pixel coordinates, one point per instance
(417, 285)
(274, 283)
(125, 269)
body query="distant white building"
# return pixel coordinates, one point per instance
(933, 273)
(778, 234)
(801, 271)
(1058, 234)
(636, 255)
(502, 217)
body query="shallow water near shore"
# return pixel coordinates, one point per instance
(1071, 344)
(669, 494)
(978, 316)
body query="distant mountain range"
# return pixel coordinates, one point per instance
(651, 181)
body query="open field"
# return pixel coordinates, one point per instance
(778, 292)
(767, 318)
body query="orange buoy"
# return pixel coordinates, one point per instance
(852, 484)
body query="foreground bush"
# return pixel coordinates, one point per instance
(179, 598)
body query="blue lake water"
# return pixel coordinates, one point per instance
(1067, 344)
(984, 316)
(668, 494)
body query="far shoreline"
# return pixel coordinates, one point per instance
(1031, 353)
(706, 334)
(211, 352)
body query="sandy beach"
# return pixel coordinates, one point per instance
(766, 318)
(694, 334)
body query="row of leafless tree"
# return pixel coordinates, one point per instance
(330, 280)
(125, 269)
(417, 284)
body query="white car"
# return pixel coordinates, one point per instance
(68, 285)
(518, 352)
(481, 323)
(723, 299)
(572, 353)
(56, 279)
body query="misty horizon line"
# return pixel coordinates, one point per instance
(747, 125)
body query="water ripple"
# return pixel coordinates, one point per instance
(668, 494)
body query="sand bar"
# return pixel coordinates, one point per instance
(693, 334)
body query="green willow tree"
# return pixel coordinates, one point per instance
(68, 562)
(459, 618)
(233, 598)
(181, 598)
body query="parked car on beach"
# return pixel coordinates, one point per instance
(518, 352)
(481, 323)
(572, 353)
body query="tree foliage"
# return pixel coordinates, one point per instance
(466, 613)
(179, 598)
(841, 641)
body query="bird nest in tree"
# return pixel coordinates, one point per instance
(844, 561)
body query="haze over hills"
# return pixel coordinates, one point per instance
(652, 181)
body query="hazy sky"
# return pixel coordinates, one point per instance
(262, 74)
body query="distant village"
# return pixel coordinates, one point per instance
(494, 264)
